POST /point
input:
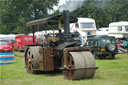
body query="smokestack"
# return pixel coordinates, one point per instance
(66, 23)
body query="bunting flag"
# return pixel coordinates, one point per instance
(6, 58)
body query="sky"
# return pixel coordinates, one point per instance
(61, 2)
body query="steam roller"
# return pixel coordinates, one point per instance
(60, 51)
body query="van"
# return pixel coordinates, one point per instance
(86, 25)
(21, 41)
(119, 29)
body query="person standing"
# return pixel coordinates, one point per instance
(125, 44)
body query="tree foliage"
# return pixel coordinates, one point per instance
(103, 11)
(15, 13)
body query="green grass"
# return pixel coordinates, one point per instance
(20, 54)
(110, 72)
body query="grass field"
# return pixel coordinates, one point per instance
(110, 72)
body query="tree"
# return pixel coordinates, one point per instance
(92, 9)
(118, 10)
(103, 11)
(15, 13)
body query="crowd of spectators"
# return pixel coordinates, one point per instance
(122, 43)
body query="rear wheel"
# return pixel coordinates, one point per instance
(32, 60)
(111, 47)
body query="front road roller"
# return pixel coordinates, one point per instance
(78, 65)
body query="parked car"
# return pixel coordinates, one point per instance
(23, 40)
(6, 46)
(103, 46)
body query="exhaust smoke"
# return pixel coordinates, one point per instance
(71, 5)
